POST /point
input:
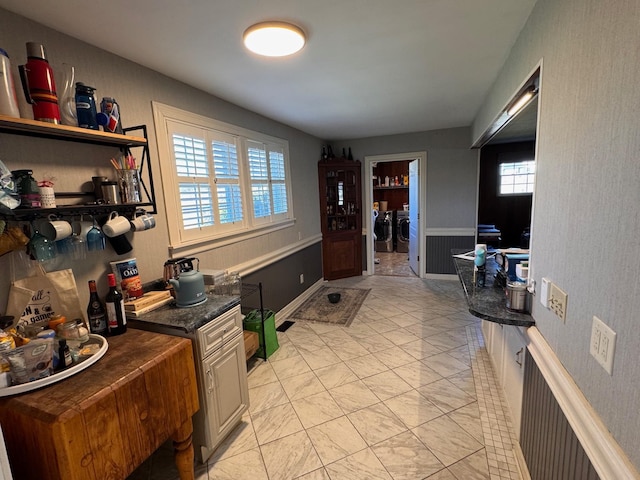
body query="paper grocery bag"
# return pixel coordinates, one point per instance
(37, 298)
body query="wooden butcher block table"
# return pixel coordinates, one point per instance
(105, 421)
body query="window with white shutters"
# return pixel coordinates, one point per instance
(227, 180)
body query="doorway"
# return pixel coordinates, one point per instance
(395, 240)
(507, 167)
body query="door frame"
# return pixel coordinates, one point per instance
(369, 162)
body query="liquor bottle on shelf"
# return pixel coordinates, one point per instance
(114, 302)
(96, 312)
(344, 153)
(350, 156)
(324, 153)
(330, 152)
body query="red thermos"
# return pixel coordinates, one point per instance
(39, 85)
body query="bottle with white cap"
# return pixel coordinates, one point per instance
(480, 261)
(8, 98)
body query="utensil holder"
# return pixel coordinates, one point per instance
(129, 182)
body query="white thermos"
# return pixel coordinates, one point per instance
(8, 98)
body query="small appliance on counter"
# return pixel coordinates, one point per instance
(507, 259)
(175, 266)
(186, 281)
(189, 289)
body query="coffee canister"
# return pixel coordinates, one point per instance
(516, 293)
(110, 192)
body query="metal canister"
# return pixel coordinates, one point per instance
(27, 188)
(516, 293)
(110, 192)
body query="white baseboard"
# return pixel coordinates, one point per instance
(521, 462)
(607, 458)
(292, 306)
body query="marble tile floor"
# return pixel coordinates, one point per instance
(392, 263)
(407, 392)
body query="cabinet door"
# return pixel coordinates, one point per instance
(513, 373)
(227, 390)
(341, 218)
(342, 256)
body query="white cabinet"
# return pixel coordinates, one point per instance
(224, 392)
(513, 372)
(228, 397)
(506, 345)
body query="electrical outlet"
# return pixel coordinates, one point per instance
(544, 292)
(603, 344)
(302, 278)
(558, 301)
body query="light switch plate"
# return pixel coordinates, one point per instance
(544, 292)
(558, 301)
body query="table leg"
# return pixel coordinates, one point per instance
(183, 448)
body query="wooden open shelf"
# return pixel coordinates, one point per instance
(25, 126)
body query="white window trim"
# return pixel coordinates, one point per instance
(177, 242)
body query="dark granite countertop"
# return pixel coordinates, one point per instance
(488, 302)
(187, 319)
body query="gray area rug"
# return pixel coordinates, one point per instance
(317, 308)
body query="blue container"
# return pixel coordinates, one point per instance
(86, 106)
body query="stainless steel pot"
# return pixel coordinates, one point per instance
(516, 293)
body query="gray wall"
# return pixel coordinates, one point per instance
(586, 225)
(135, 87)
(451, 171)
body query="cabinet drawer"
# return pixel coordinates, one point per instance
(219, 330)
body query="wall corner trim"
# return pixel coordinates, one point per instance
(608, 459)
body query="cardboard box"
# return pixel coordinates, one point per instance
(251, 343)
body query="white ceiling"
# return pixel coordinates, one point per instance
(370, 67)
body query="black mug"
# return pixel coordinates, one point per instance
(120, 244)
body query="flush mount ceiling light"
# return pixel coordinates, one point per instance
(274, 39)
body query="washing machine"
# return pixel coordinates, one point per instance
(402, 229)
(383, 229)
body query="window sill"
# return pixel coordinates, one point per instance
(198, 246)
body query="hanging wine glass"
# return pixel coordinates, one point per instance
(40, 247)
(95, 238)
(78, 243)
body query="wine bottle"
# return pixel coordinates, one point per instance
(114, 302)
(350, 156)
(96, 312)
(324, 153)
(344, 153)
(330, 152)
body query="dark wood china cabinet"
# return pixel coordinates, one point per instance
(341, 217)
